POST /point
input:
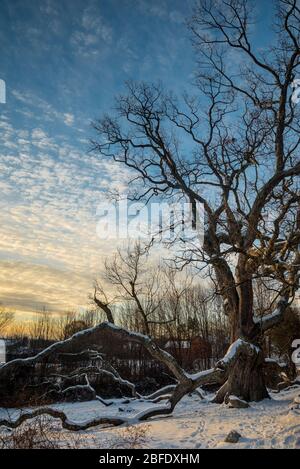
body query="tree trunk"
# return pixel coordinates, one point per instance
(245, 373)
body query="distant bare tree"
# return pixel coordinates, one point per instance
(6, 319)
(146, 288)
(42, 328)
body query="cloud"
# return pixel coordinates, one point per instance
(49, 249)
(50, 188)
(94, 23)
(29, 287)
(49, 113)
(69, 119)
(176, 17)
(152, 9)
(93, 33)
(160, 10)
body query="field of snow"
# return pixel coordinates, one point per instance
(195, 424)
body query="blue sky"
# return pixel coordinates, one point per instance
(76, 54)
(63, 61)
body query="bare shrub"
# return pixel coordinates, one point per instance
(132, 437)
(39, 433)
(45, 433)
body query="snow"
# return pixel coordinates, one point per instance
(234, 398)
(234, 347)
(195, 424)
(272, 360)
(200, 374)
(268, 317)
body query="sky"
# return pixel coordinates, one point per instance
(63, 61)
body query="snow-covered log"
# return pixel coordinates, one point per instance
(65, 421)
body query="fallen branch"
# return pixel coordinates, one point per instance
(186, 383)
(162, 391)
(66, 423)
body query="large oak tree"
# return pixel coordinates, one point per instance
(234, 147)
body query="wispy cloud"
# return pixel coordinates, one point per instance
(63, 63)
(48, 111)
(92, 32)
(49, 249)
(161, 10)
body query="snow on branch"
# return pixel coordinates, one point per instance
(65, 421)
(163, 409)
(270, 320)
(233, 352)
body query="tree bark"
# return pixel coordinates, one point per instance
(245, 373)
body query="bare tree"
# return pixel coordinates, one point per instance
(6, 319)
(42, 328)
(137, 282)
(242, 163)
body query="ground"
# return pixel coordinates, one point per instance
(195, 424)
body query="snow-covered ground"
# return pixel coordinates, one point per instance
(195, 424)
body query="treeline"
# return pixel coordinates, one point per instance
(191, 327)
